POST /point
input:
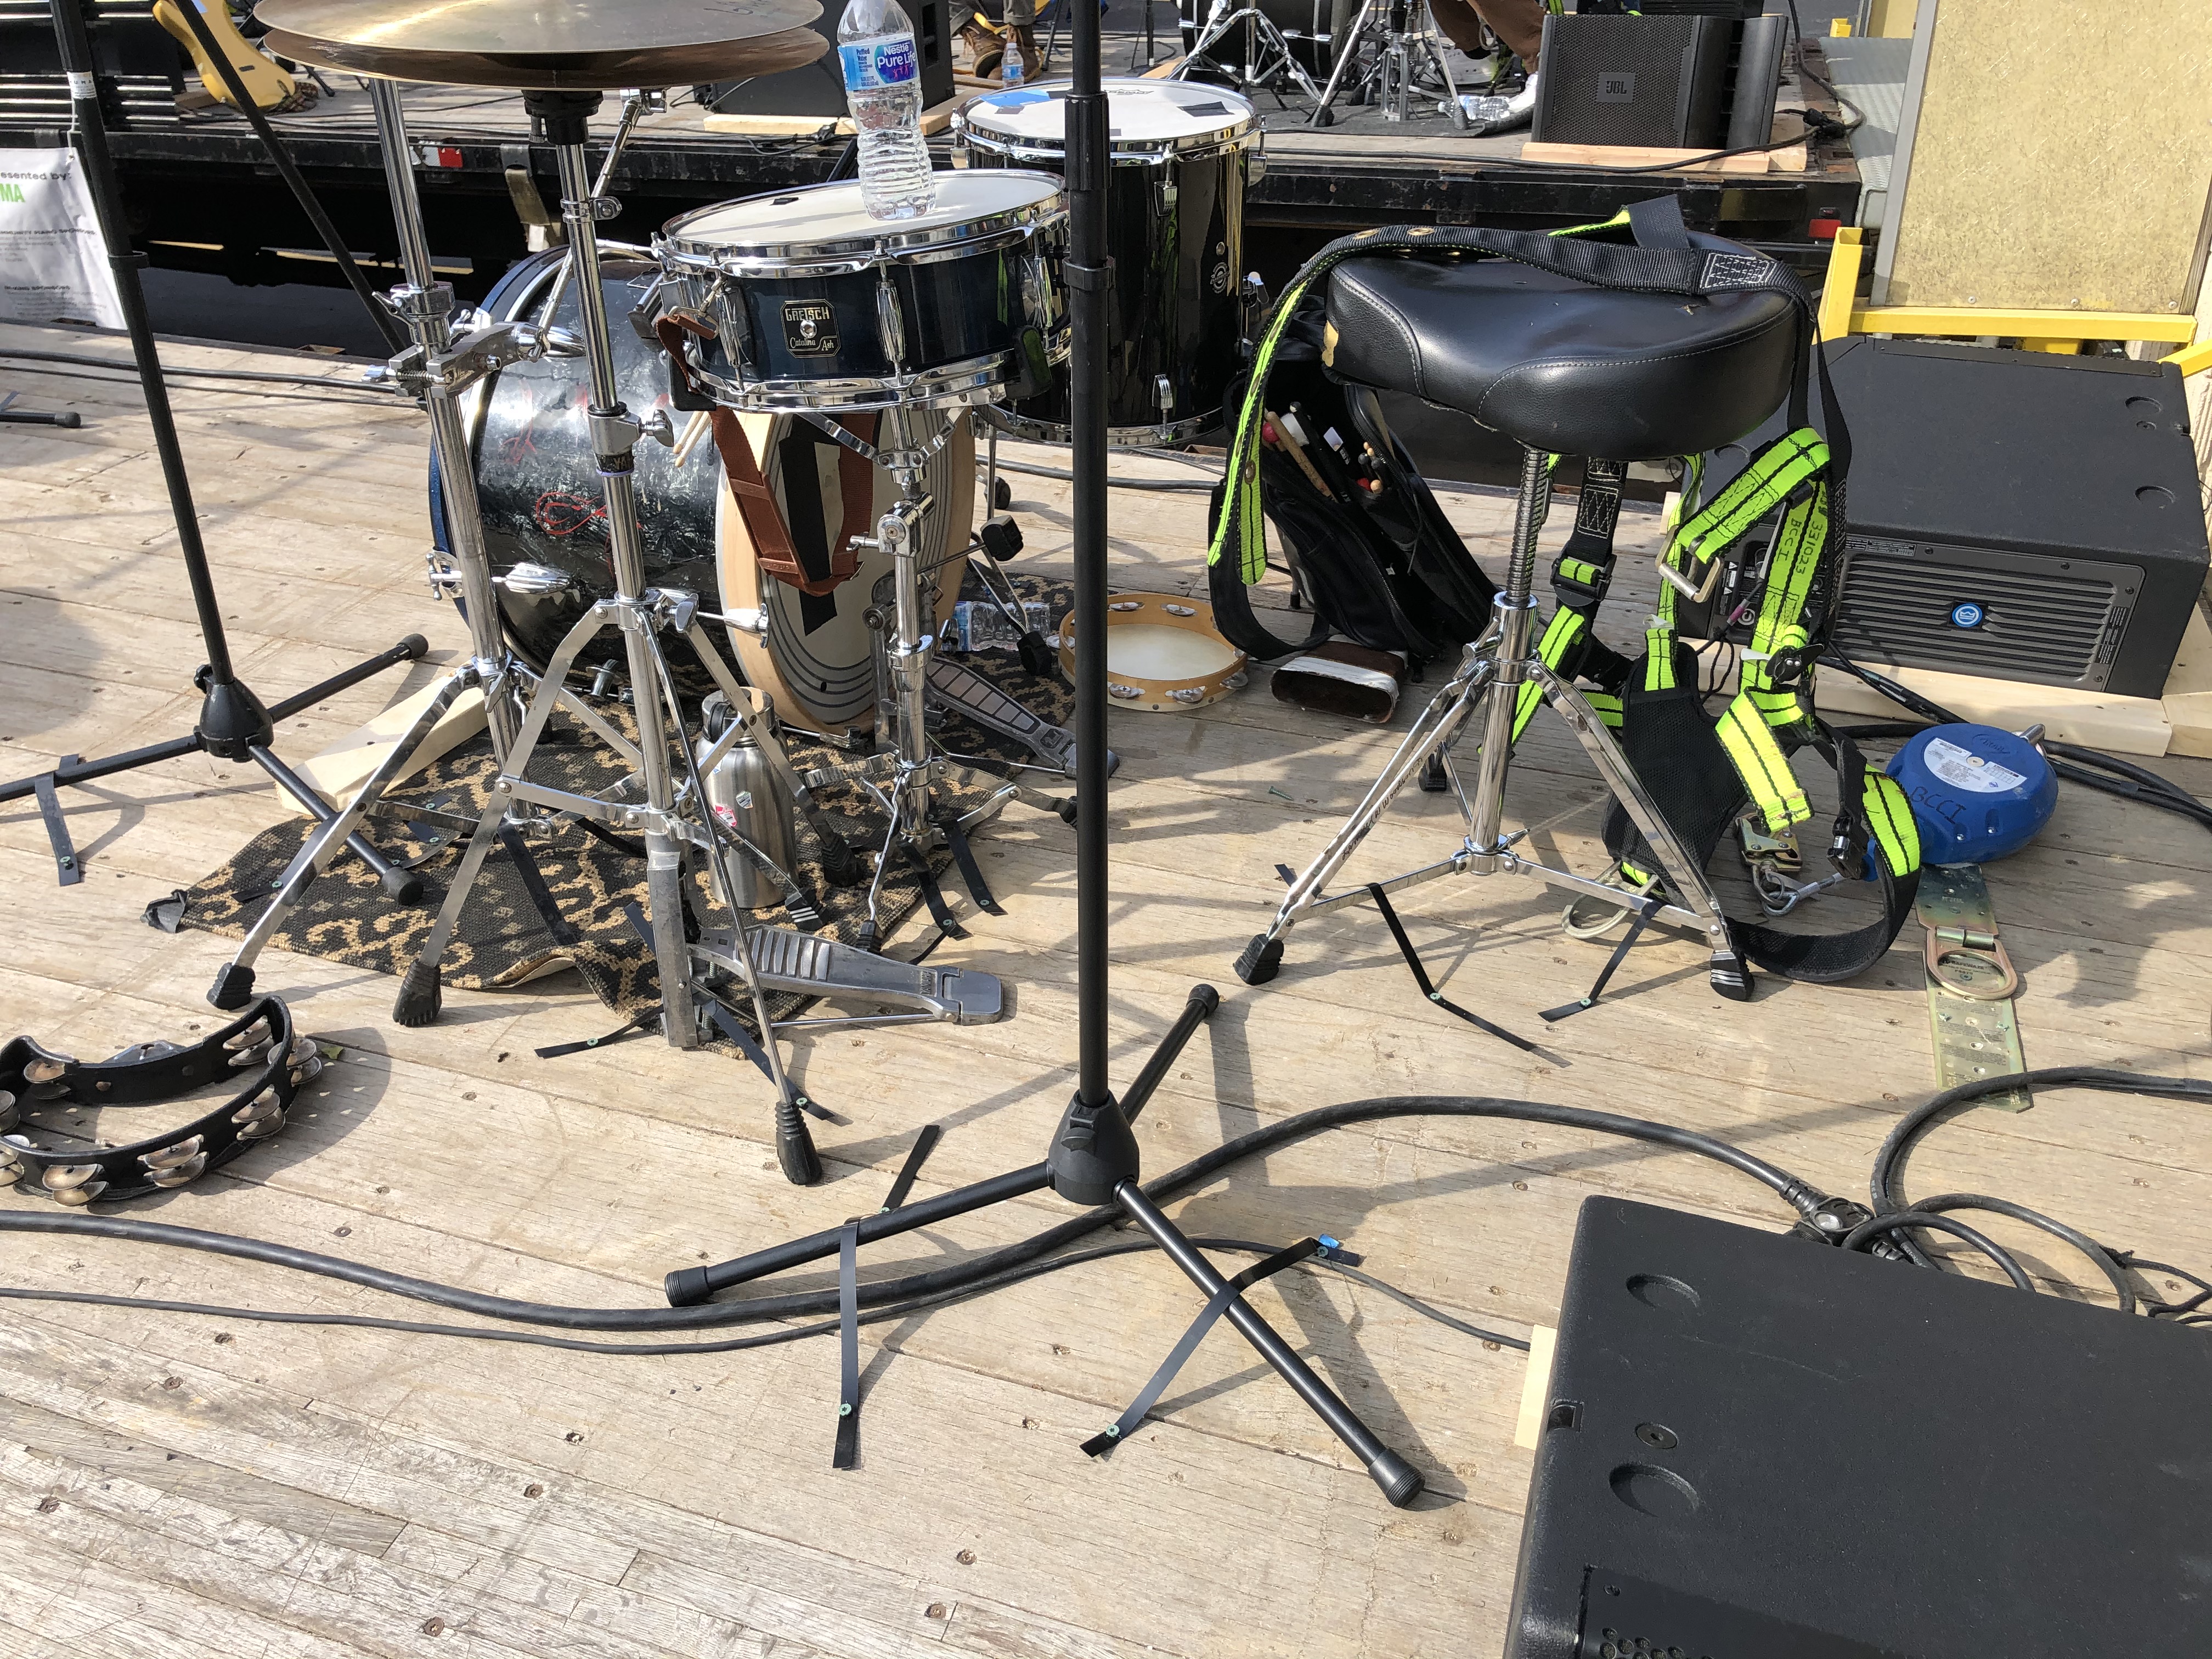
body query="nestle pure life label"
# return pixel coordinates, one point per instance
(887, 61)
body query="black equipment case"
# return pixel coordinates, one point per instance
(1756, 1445)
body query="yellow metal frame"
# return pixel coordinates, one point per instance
(2037, 330)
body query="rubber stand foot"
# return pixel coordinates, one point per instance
(1434, 780)
(842, 867)
(686, 1287)
(1401, 1483)
(1002, 493)
(234, 987)
(1037, 657)
(1262, 961)
(794, 1146)
(1067, 810)
(420, 996)
(401, 886)
(1731, 976)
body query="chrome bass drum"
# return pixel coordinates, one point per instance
(1175, 220)
(815, 304)
(538, 486)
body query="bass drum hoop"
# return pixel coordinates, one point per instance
(745, 587)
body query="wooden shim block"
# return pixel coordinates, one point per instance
(1639, 155)
(339, 771)
(934, 119)
(2130, 725)
(1536, 1387)
(2188, 701)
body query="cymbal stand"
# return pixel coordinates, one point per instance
(1400, 31)
(1267, 55)
(438, 367)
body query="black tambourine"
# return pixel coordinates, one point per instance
(145, 1074)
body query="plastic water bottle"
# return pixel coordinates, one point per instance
(883, 89)
(1010, 67)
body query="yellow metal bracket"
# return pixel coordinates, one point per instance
(2038, 331)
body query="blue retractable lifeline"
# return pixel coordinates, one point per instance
(1978, 792)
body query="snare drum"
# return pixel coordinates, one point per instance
(817, 304)
(1175, 226)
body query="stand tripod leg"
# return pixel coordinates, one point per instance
(421, 992)
(1439, 725)
(233, 982)
(1401, 1482)
(1324, 113)
(1730, 972)
(402, 886)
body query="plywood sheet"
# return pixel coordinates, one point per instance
(2064, 157)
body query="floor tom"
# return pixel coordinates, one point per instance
(1182, 152)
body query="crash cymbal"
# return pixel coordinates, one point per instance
(578, 46)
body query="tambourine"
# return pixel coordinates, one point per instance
(261, 1039)
(1162, 653)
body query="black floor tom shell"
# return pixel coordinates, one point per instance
(1175, 227)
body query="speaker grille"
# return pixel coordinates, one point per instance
(1637, 81)
(2007, 615)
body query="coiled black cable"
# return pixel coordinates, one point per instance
(1897, 1147)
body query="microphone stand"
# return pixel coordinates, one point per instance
(234, 724)
(1093, 1158)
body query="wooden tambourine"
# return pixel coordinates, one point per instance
(1162, 653)
(817, 663)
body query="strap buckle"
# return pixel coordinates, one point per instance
(1572, 590)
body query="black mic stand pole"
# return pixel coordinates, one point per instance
(234, 724)
(1093, 1159)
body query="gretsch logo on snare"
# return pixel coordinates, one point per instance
(810, 328)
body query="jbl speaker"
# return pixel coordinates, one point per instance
(2012, 515)
(1654, 81)
(818, 87)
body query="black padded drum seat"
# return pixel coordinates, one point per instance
(1557, 365)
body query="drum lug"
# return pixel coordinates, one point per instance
(889, 329)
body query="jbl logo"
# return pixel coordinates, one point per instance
(1616, 88)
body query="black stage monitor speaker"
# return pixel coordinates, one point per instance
(818, 87)
(2015, 514)
(1759, 1447)
(1658, 81)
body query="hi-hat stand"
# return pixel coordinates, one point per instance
(1267, 55)
(234, 724)
(1400, 33)
(1093, 1158)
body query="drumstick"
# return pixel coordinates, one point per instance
(695, 432)
(1290, 446)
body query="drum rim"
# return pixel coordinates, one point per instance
(961, 382)
(883, 242)
(1017, 425)
(1239, 132)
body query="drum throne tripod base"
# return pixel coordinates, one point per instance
(1563, 367)
(1485, 693)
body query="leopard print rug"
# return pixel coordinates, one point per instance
(597, 889)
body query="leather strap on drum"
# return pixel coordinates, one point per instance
(764, 520)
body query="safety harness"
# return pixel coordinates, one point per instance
(1702, 773)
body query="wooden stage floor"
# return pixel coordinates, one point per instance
(174, 1486)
